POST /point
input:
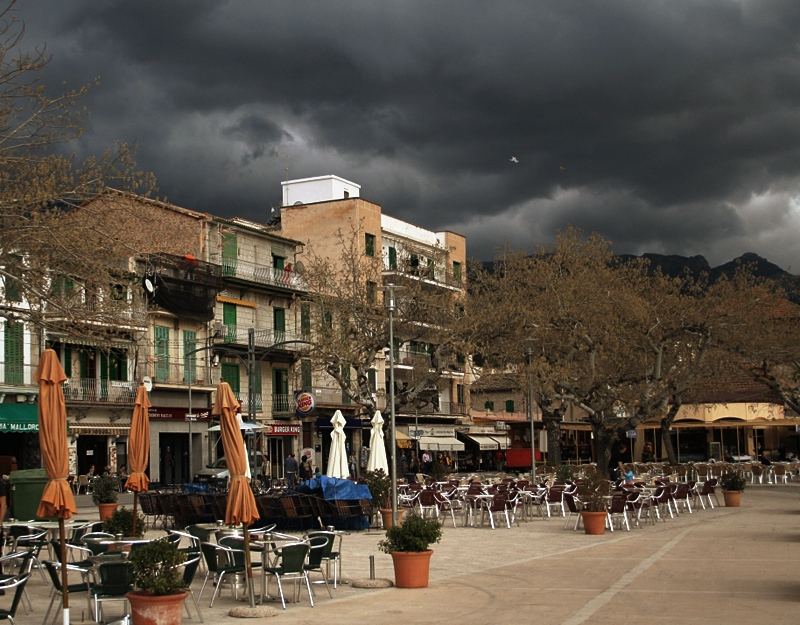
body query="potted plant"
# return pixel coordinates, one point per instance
(408, 544)
(732, 486)
(159, 592)
(592, 493)
(564, 473)
(105, 493)
(121, 523)
(380, 486)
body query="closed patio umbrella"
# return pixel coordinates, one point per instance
(138, 449)
(240, 506)
(377, 450)
(57, 499)
(337, 457)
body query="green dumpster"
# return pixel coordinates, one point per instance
(26, 492)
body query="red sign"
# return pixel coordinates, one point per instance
(157, 413)
(305, 403)
(275, 429)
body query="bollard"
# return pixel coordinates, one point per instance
(372, 567)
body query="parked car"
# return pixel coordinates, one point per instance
(217, 472)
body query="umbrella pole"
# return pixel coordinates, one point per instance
(64, 573)
(248, 565)
(133, 520)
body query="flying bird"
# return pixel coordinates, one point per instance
(514, 160)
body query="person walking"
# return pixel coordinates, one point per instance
(290, 470)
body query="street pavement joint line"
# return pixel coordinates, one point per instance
(591, 607)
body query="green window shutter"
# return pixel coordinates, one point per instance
(229, 319)
(305, 321)
(67, 361)
(12, 290)
(305, 374)
(372, 292)
(83, 364)
(161, 352)
(118, 365)
(488, 404)
(189, 359)
(372, 380)
(230, 374)
(392, 258)
(509, 405)
(369, 244)
(230, 253)
(279, 324)
(14, 353)
(278, 262)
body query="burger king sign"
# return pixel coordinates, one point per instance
(305, 404)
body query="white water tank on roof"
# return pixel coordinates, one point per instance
(318, 189)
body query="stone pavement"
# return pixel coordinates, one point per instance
(724, 566)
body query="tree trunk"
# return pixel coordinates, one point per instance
(602, 442)
(666, 441)
(552, 424)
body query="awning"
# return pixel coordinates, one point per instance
(98, 429)
(19, 418)
(503, 441)
(440, 443)
(404, 441)
(484, 441)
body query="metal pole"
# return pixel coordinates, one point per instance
(251, 365)
(529, 407)
(190, 378)
(390, 306)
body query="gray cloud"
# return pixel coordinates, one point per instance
(666, 126)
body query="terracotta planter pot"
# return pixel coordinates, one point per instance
(411, 568)
(733, 498)
(386, 516)
(147, 609)
(106, 510)
(594, 522)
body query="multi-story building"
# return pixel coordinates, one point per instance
(315, 211)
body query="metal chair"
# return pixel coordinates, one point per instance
(292, 563)
(189, 571)
(54, 571)
(115, 580)
(220, 564)
(320, 546)
(18, 585)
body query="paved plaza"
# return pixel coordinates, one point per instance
(728, 566)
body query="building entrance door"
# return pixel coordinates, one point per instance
(173, 453)
(277, 452)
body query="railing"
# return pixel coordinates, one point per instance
(94, 390)
(262, 274)
(17, 374)
(171, 372)
(426, 274)
(237, 335)
(283, 404)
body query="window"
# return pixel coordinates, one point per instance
(346, 194)
(229, 320)
(372, 380)
(279, 262)
(327, 319)
(305, 374)
(230, 374)
(509, 405)
(14, 355)
(369, 244)
(118, 365)
(372, 292)
(119, 292)
(63, 286)
(12, 290)
(488, 404)
(279, 324)
(456, 272)
(160, 351)
(280, 390)
(305, 321)
(392, 258)
(230, 253)
(189, 359)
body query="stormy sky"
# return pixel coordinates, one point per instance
(668, 126)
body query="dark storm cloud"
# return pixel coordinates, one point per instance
(668, 126)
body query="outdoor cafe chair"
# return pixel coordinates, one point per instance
(573, 506)
(23, 561)
(114, 580)
(220, 564)
(31, 539)
(555, 499)
(320, 545)
(618, 511)
(779, 473)
(17, 584)
(705, 492)
(291, 566)
(189, 567)
(54, 572)
(679, 494)
(334, 555)
(446, 504)
(497, 504)
(426, 504)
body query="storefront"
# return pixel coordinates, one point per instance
(19, 425)
(170, 440)
(97, 445)
(279, 439)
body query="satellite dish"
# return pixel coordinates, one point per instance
(299, 267)
(149, 286)
(147, 382)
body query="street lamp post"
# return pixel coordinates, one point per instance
(390, 307)
(529, 408)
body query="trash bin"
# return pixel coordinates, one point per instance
(26, 492)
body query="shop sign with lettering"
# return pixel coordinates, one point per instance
(159, 413)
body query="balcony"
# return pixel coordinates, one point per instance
(233, 334)
(281, 404)
(92, 390)
(176, 372)
(261, 274)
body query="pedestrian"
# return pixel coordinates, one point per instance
(305, 468)
(290, 470)
(427, 462)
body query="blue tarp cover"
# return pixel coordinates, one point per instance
(333, 488)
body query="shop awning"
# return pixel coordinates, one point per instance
(503, 441)
(484, 441)
(440, 443)
(404, 441)
(19, 418)
(98, 429)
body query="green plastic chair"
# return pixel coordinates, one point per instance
(292, 566)
(115, 580)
